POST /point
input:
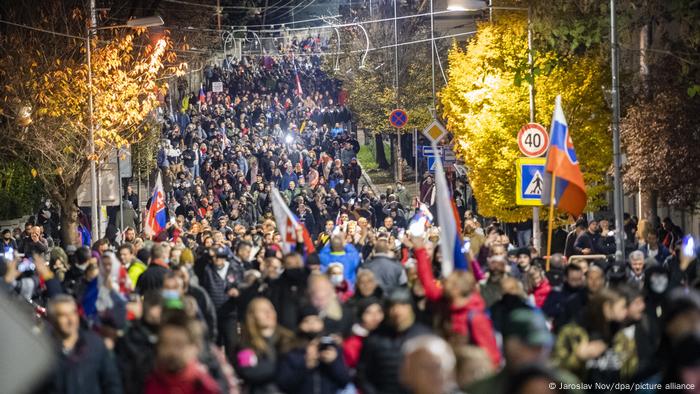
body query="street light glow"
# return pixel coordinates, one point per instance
(466, 5)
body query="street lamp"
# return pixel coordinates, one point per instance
(132, 23)
(480, 5)
(466, 5)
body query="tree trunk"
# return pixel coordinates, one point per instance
(649, 205)
(69, 225)
(379, 152)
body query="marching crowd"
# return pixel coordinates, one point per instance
(217, 302)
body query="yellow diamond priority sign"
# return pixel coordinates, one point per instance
(435, 131)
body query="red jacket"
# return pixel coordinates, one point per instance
(194, 379)
(352, 346)
(469, 319)
(541, 292)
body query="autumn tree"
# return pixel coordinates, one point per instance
(486, 103)
(370, 78)
(44, 79)
(660, 86)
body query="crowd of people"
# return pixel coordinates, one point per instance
(218, 302)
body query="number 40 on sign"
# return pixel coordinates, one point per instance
(533, 140)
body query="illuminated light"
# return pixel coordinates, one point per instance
(466, 5)
(289, 139)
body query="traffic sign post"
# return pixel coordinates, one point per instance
(533, 140)
(529, 180)
(398, 118)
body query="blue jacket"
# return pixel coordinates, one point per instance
(349, 258)
(660, 256)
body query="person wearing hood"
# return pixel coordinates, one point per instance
(460, 309)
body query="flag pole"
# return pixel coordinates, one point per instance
(550, 224)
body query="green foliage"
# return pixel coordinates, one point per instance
(485, 107)
(20, 193)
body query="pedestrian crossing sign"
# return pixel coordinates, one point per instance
(529, 180)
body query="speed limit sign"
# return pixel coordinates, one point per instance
(533, 140)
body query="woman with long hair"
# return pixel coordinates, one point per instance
(256, 359)
(595, 347)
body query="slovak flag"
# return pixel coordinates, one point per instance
(287, 223)
(296, 77)
(562, 166)
(451, 245)
(156, 218)
(202, 95)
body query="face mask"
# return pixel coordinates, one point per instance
(295, 273)
(170, 294)
(658, 283)
(337, 279)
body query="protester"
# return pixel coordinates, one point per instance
(344, 289)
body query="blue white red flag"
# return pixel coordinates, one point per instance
(563, 165)
(299, 91)
(156, 218)
(287, 224)
(202, 95)
(451, 245)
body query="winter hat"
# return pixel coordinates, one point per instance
(306, 311)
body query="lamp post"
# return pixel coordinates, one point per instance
(618, 203)
(479, 5)
(92, 29)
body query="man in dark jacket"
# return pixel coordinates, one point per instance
(222, 280)
(654, 249)
(136, 350)
(573, 284)
(84, 363)
(570, 248)
(388, 272)
(287, 291)
(380, 358)
(587, 241)
(152, 278)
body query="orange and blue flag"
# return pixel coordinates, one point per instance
(563, 166)
(454, 255)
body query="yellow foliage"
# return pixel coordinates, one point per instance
(485, 109)
(55, 85)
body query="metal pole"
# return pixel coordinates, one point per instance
(617, 157)
(94, 213)
(536, 238)
(415, 155)
(121, 198)
(138, 185)
(396, 87)
(432, 55)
